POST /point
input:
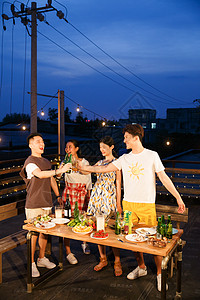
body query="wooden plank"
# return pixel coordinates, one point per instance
(11, 242)
(186, 180)
(13, 189)
(9, 214)
(10, 170)
(173, 211)
(11, 179)
(183, 191)
(7, 207)
(182, 171)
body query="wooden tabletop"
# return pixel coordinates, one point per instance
(66, 232)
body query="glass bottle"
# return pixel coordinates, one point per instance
(117, 225)
(76, 212)
(67, 208)
(158, 234)
(169, 227)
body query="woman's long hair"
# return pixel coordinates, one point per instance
(76, 144)
(108, 140)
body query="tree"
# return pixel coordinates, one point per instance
(52, 114)
(67, 115)
(16, 118)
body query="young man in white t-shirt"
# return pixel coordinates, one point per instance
(139, 168)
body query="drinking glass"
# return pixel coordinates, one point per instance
(58, 211)
(74, 164)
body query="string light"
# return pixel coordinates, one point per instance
(78, 109)
(103, 123)
(42, 113)
(23, 127)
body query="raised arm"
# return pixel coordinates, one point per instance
(166, 181)
(98, 169)
(46, 174)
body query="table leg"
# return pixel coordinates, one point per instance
(179, 271)
(163, 283)
(61, 253)
(29, 263)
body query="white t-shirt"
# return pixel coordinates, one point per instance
(77, 177)
(139, 175)
(30, 168)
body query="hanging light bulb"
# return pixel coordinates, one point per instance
(23, 127)
(78, 109)
(42, 113)
(103, 123)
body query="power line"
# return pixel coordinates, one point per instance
(125, 68)
(115, 81)
(109, 68)
(84, 107)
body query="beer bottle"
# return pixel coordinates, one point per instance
(169, 227)
(67, 208)
(76, 212)
(117, 225)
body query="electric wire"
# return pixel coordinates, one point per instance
(79, 59)
(109, 68)
(125, 68)
(84, 107)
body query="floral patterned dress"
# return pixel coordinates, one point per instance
(103, 195)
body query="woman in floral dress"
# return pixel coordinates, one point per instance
(106, 198)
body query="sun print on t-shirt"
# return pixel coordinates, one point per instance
(136, 170)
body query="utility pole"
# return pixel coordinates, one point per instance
(33, 121)
(61, 123)
(35, 13)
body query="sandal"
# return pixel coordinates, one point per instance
(103, 263)
(118, 268)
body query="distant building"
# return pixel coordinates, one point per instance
(183, 120)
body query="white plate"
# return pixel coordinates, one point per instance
(98, 238)
(146, 231)
(60, 220)
(174, 230)
(45, 225)
(82, 232)
(138, 238)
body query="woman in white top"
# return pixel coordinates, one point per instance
(77, 186)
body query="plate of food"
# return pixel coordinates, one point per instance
(82, 229)
(136, 238)
(45, 225)
(146, 231)
(60, 220)
(174, 230)
(99, 235)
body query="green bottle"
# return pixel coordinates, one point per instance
(117, 225)
(76, 212)
(169, 228)
(67, 159)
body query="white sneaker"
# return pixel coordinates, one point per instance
(86, 248)
(138, 272)
(159, 283)
(71, 259)
(35, 272)
(45, 262)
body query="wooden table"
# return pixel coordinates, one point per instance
(63, 231)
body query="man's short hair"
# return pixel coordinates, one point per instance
(32, 135)
(134, 130)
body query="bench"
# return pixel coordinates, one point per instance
(176, 218)
(13, 240)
